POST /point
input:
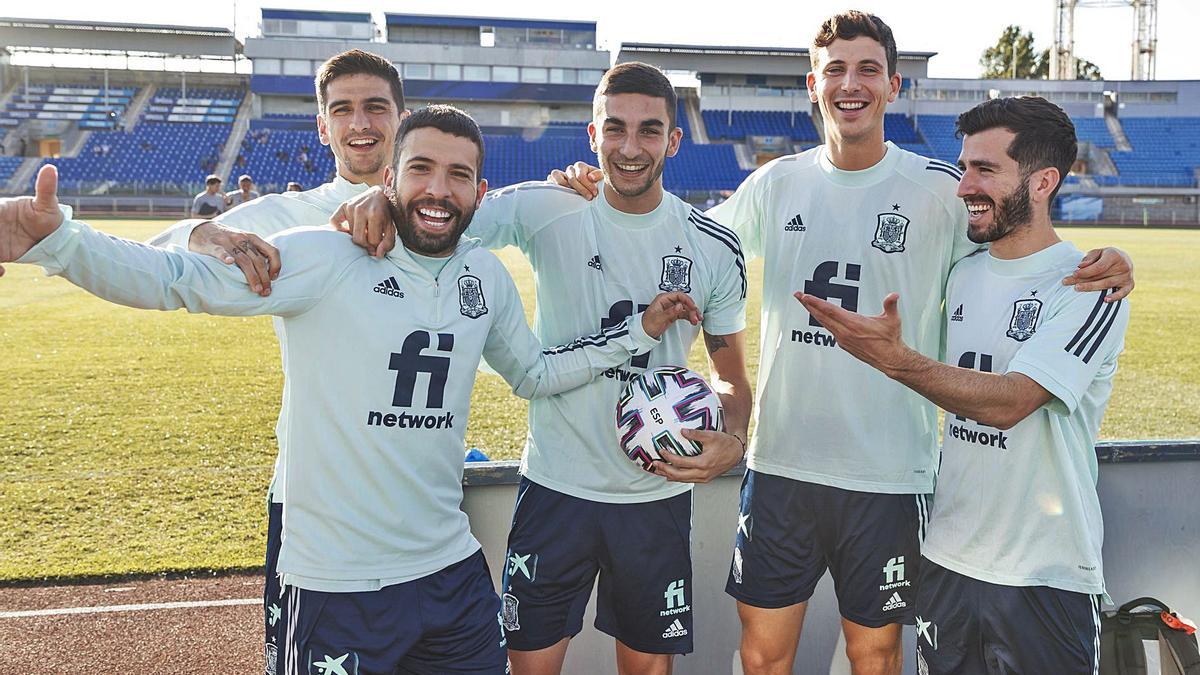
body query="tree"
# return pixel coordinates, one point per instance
(997, 60)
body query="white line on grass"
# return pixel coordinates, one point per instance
(130, 608)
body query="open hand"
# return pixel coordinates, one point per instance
(258, 260)
(722, 452)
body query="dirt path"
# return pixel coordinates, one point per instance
(178, 626)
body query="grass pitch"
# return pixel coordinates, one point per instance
(142, 442)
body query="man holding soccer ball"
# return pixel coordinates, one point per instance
(583, 508)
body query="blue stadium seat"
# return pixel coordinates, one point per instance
(798, 126)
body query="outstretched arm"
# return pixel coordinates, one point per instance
(995, 399)
(533, 372)
(33, 230)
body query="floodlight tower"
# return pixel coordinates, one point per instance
(1145, 36)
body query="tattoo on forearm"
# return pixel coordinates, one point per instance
(714, 342)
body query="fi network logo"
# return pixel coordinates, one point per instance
(893, 574)
(676, 603)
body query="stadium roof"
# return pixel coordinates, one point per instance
(717, 50)
(117, 37)
(306, 15)
(479, 21)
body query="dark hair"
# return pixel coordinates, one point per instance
(355, 62)
(444, 118)
(635, 77)
(851, 24)
(1045, 135)
(212, 178)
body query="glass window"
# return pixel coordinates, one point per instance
(417, 71)
(267, 66)
(588, 76)
(505, 74)
(447, 71)
(536, 75)
(487, 36)
(562, 76)
(477, 73)
(297, 67)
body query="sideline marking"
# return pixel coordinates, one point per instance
(130, 608)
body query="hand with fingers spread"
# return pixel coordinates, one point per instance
(25, 221)
(667, 308)
(367, 218)
(258, 260)
(580, 177)
(874, 340)
(1102, 269)
(722, 452)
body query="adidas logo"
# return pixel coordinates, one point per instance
(676, 629)
(389, 287)
(795, 225)
(894, 602)
(957, 315)
(595, 262)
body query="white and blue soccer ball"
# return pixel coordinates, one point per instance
(657, 405)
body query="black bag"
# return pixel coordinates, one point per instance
(1123, 632)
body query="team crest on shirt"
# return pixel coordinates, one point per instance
(891, 229)
(471, 302)
(676, 274)
(1024, 319)
(511, 622)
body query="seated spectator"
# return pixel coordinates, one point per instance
(293, 186)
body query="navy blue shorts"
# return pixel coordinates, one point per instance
(970, 627)
(447, 622)
(274, 608)
(557, 546)
(789, 532)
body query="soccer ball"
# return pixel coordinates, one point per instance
(656, 405)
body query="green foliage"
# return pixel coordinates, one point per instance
(998, 60)
(140, 442)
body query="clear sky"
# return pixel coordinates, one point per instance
(958, 30)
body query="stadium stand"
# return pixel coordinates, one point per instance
(200, 105)
(89, 107)
(7, 166)
(275, 155)
(155, 156)
(797, 126)
(1166, 151)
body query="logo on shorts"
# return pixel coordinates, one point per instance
(273, 613)
(676, 604)
(893, 574)
(923, 631)
(332, 666)
(745, 525)
(525, 564)
(894, 602)
(509, 612)
(922, 667)
(272, 658)
(737, 565)
(676, 629)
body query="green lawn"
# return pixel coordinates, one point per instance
(137, 441)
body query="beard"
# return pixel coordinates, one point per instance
(608, 164)
(1013, 211)
(405, 217)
